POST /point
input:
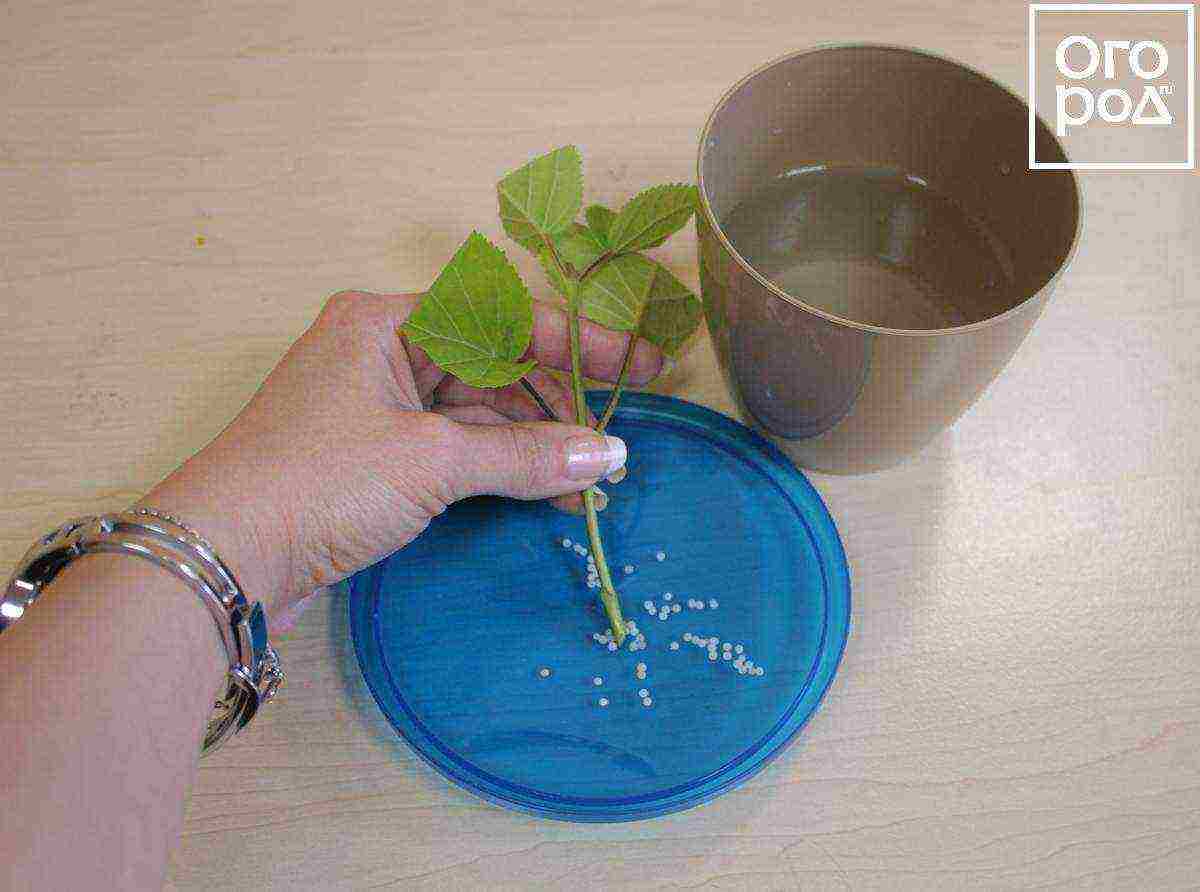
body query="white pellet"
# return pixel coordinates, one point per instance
(544, 672)
(712, 602)
(675, 608)
(641, 667)
(687, 636)
(646, 701)
(597, 681)
(726, 656)
(612, 645)
(674, 645)
(699, 605)
(628, 568)
(566, 543)
(726, 646)
(739, 649)
(649, 605)
(603, 701)
(667, 596)
(643, 693)
(660, 556)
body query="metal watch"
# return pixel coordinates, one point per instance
(254, 672)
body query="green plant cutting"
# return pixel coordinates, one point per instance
(476, 320)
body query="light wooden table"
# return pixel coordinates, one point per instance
(1018, 705)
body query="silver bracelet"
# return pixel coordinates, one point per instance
(254, 672)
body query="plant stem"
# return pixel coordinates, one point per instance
(539, 399)
(595, 263)
(615, 396)
(608, 593)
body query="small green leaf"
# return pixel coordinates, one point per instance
(552, 272)
(579, 246)
(672, 312)
(476, 320)
(543, 197)
(600, 220)
(651, 217)
(615, 292)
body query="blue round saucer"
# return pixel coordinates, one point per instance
(453, 632)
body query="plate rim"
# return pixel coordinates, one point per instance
(653, 805)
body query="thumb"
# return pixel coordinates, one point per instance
(533, 460)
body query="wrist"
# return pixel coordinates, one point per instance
(253, 549)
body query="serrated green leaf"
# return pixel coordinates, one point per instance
(476, 320)
(651, 217)
(672, 312)
(579, 246)
(552, 272)
(600, 220)
(615, 293)
(543, 197)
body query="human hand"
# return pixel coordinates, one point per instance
(356, 440)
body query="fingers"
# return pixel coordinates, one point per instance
(602, 350)
(531, 460)
(470, 405)
(513, 401)
(473, 414)
(426, 374)
(571, 503)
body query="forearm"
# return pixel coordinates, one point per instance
(105, 688)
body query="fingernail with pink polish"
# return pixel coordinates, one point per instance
(592, 457)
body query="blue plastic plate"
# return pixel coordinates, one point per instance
(452, 632)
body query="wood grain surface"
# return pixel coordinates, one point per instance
(182, 185)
